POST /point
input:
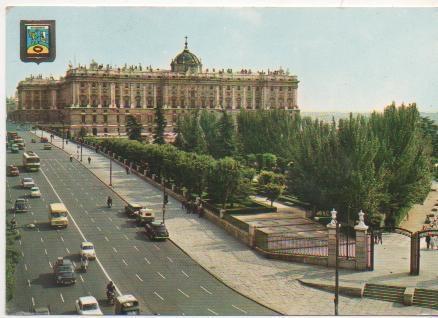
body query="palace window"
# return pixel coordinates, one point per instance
(83, 119)
(238, 88)
(138, 85)
(82, 84)
(289, 89)
(104, 84)
(94, 119)
(281, 89)
(126, 85)
(118, 119)
(105, 130)
(228, 88)
(93, 84)
(105, 118)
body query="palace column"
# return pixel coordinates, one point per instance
(73, 93)
(131, 94)
(154, 92)
(223, 97)
(216, 96)
(244, 97)
(113, 95)
(99, 92)
(186, 96)
(144, 96)
(89, 95)
(233, 99)
(253, 101)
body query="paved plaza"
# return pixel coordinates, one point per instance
(271, 282)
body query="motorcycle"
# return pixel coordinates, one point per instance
(84, 265)
(110, 295)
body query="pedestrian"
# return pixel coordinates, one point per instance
(71, 158)
(127, 170)
(380, 236)
(428, 240)
(376, 238)
(433, 241)
(200, 210)
(89, 160)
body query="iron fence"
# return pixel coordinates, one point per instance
(296, 246)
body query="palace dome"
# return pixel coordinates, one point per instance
(186, 61)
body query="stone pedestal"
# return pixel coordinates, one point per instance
(331, 261)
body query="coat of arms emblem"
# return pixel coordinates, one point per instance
(37, 41)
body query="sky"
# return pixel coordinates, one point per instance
(346, 59)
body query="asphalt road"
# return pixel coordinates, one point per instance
(164, 279)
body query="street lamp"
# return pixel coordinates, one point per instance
(82, 140)
(111, 170)
(165, 197)
(337, 269)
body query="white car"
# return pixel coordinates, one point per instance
(88, 306)
(35, 192)
(27, 183)
(87, 249)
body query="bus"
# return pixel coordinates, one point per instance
(58, 215)
(31, 161)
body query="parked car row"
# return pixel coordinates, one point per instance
(146, 217)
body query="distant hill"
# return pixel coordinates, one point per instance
(327, 116)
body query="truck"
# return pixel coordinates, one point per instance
(31, 161)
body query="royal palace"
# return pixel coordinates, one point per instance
(99, 97)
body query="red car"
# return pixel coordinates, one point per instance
(44, 139)
(13, 171)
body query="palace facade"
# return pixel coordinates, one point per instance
(99, 98)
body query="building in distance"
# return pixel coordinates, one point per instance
(100, 97)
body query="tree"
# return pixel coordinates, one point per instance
(133, 128)
(160, 122)
(226, 138)
(273, 191)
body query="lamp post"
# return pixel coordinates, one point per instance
(165, 198)
(82, 140)
(111, 170)
(337, 270)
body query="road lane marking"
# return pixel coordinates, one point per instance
(206, 290)
(170, 260)
(33, 302)
(114, 249)
(106, 239)
(124, 261)
(74, 264)
(110, 219)
(82, 279)
(86, 212)
(147, 260)
(62, 298)
(42, 240)
(31, 212)
(25, 267)
(99, 229)
(19, 241)
(126, 237)
(92, 220)
(50, 265)
(136, 248)
(156, 246)
(28, 283)
(81, 205)
(139, 277)
(117, 227)
(38, 229)
(183, 293)
(22, 254)
(82, 234)
(161, 275)
(45, 251)
(185, 274)
(212, 311)
(240, 309)
(62, 239)
(158, 295)
(68, 251)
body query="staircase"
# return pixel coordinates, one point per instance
(385, 293)
(426, 298)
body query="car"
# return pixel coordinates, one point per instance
(13, 171)
(156, 231)
(47, 147)
(144, 215)
(44, 139)
(87, 249)
(131, 208)
(33, 140)
(35, 192)
(14, 148)
(21, 205)
(40, 311)
(64, 272)
(88, 306)
(126, 305)
(27, 183)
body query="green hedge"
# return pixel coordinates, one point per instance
(12, 257)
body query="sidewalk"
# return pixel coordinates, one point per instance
(272, 283)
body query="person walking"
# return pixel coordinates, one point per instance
(71, 158)
(433, 241)
(89, 160)
(380, 237)
(428, 240)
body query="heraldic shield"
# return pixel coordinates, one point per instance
(37, 41)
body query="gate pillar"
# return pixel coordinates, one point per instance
(361, 244)
(331, 227)
(415, 254)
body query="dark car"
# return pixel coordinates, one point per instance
(64, 272)
(13, 171)
(21, 205)
(132, 208)
(156, 231)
